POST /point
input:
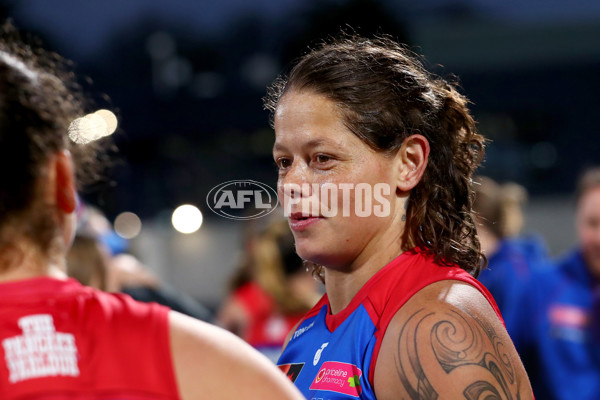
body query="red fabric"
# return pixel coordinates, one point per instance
(122, 346)
(267, 326)
(391, 287)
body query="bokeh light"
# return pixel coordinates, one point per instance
(128, 225)
(111, 120)
(187, 219)
(92, 126)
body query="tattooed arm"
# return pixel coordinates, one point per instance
(446, 342)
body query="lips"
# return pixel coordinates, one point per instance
(299, 221)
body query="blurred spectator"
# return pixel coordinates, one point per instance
(97, 259)
(558, 335)
(270, 293)
(88, 262)
(93, 223)
(511, 258)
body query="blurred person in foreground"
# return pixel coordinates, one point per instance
(360, 121)
(264, 307)
(558, 332)
(59, 339)
(511, 257)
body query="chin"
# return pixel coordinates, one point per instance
(308, 253)
(319, 256)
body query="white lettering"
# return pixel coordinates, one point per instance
(291, 196)
(346, 188)
(329, 200)
(40, 351)
(258, 200)
(324, 200)
(362, 200)
(381, 190)
(226, 199)
(302, 330)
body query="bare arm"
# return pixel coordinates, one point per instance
(211, 363)
(447, 343)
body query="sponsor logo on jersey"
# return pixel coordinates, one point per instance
(40, 351)
(302, 330)
(338, 377)
(317, 356)
(292, 370)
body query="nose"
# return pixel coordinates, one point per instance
(295, 183)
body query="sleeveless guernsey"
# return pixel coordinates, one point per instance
(331, 357)
(61, 340)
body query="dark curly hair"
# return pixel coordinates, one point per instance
(385, 95)
(38, 100)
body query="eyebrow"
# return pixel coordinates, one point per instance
(310, 144)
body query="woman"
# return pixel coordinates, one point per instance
(61, 340)
(403, 316)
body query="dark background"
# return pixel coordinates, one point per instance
(186, 78)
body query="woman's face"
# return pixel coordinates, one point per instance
(339, 195)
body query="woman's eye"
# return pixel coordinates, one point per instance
(284, 163)
(322, 158)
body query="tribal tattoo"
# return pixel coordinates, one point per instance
(456, 340)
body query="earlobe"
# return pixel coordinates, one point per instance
(412, 161)
(66, 199)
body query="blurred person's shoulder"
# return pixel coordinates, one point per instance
(534, 249)
(572, 267)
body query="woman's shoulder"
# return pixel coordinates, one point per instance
(448, 339)
(407, 276)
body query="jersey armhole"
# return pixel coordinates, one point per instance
(379, 334)
(388, 314)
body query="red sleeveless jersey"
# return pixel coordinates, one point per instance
(326, 348)
(62, 340)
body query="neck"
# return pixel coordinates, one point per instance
(342, 284)
(23, 263)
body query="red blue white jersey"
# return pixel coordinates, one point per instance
(61, 340)
(331, 357)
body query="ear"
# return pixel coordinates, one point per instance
(64, 182)
(412, 160)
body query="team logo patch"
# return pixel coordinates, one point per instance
(291, 370)
(338, 377)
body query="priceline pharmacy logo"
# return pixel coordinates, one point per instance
(247, 199)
